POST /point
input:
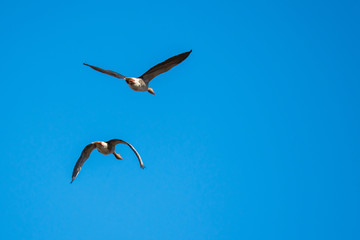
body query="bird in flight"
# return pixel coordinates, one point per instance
(104, 148)
(141, 84)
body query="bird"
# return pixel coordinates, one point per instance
(141, 84)
(105, 148)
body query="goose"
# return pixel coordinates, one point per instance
(141, 84)
(105, 148)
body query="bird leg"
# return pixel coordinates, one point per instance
(150, 90)
(117, 156)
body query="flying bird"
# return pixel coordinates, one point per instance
(104, 148)
(141, 84)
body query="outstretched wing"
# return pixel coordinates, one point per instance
(108, 72)
(83, 157)
(164, 66)
(117, 141)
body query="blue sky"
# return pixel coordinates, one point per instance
(254, 136)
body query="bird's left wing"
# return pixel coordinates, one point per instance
(83, 157)
(164, 66)
(108, 72)
(118, 141)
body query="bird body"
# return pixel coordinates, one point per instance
(141, 84)
(105, 148)
(137, 84)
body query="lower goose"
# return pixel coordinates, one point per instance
(104, 148)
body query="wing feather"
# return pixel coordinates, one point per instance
(108, 72)
(164, 66)
(118, 141)
(85, 154)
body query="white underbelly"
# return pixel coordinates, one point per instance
(138, 88)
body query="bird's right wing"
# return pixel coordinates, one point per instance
(117, 141)
(108, 72)
(83, 157)
(164, 66)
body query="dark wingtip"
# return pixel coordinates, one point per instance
(188, 53)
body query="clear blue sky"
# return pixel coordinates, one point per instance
(254, 136)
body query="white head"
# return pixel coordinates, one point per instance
(130, 81)
(100, 144)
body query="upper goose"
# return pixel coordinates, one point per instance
(104, 148)
(141, 84)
